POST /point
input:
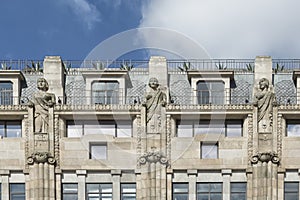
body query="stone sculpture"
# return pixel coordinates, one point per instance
(154, 100)
(264, 100)
(42, 101)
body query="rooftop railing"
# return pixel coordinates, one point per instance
(239, 65)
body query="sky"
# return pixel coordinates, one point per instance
(72, 29)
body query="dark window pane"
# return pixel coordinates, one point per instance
(17, 191)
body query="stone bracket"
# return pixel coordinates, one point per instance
(265, 157)
(41, 157)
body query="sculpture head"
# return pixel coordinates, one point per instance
(153, 83)
(263, 83)
(42, 84)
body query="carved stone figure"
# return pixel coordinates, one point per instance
(42, 101)
(154, 100)
(264, 99)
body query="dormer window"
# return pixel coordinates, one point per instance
(6, 93)
(210, 92)
(105, 92)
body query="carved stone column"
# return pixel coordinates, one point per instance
(41, 144)
(265, 142)
(152, 143)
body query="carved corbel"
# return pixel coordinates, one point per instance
(41, 157)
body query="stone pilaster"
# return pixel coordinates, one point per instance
(54, 72)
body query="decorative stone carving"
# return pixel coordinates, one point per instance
(41, 157)
(42, 101)
(264, 100)
(265, 157)
(154, 100)
(153, 157)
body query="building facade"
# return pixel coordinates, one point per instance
(150, 130)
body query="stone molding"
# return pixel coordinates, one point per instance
(207, 107)
(108, 107)
(13, 107)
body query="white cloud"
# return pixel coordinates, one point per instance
(86, 11)
(231, 28)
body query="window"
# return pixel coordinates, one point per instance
(10, 129)
(210, 92)
(291, 191)
(209, 191)
(98, 151)
(180, 191)
(105, 127)
(231, 128)
(238, 191)
(105, 92)
(234, 128)
(128, 191)
(98, 191)
(6, 93)
(292, 128)
(17, 191)
(0, 191)
(70, 191)
(209, 150)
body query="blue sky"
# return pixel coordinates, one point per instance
(32, 29)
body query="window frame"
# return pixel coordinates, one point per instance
(213, 145)
(100, 193)
(11, 193)
(180, 193)
(232, 193)
(69, 193)
(6, 93)
(209, 192)
(7, 123)
(211, 99)
(292, 122)
(98, 144)
(193, 125)
(123, 194)
(117, 130)
(285, 192)
(106, 99)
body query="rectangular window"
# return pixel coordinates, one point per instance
(99, 191)
(105, 92)
(210, 92)
(209, 191)
(238, 191)
(10, 129)
(17, 191)
(234, 128)
(6, 93)
(180, 191)
(105, 127)
(209, 150)
(70, 191)
(231, 128)
(128, 191)
(291, 191)
(98, 151)
(292, 128)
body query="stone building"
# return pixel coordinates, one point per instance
(150, 130)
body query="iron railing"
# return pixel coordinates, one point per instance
(241, 65)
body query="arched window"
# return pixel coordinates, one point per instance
(210, 92)
(105, 92)
(6, 93)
